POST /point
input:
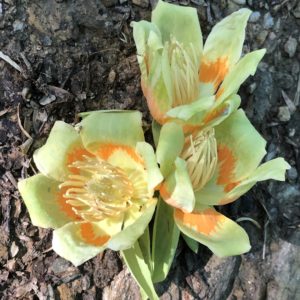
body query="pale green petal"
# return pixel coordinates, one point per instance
(241, 140)
(114, 128)
(52, 158)
(153, 173)
(177, 190)
(170, 144)
(44, 202)
(148, 41)
(185, 112)
(227, 37)
(212, 229)
(68, 243)
(217, 114)
(240, 72)
(135, 223)
(135, 262)
(273, 169)
(146, 35)
(164, 241)
(179, 22)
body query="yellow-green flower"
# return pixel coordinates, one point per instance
(181, 78)
(211, 167)
(95, 185)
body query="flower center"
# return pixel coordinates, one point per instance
(102, 190)
(200, 154)
(184, 65)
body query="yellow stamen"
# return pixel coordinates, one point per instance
(200, 154)
(102, 190)
(184, 70)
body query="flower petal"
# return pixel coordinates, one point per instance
(220, 234)
(273, 169)
(222, 50)
(135, 222)
(45, 202)
(153, 173)
(112, 128)
(239, 73)
(177, 190)
(235, 137)
(185, 112)
(221, 111)
(170, 144)
(79, 242)
(226, 38)
(63, 146)
(146, 35)
(179, 22)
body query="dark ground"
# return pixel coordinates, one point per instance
(78, 56)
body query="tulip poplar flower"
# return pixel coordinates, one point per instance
(95, 186)
(211, 167)
(184, 80)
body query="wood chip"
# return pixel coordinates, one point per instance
(11, 62)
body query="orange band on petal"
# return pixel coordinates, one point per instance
(106, 150)
(77, 154)
(213, 72)
(230, 186)
(65, 207)
(227, 163)
(205, 222)
(155, 111)
(214, 114)
(88, 235)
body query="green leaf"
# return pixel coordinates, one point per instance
(192, 244)
(144, 242)
(156, 127)
(164, 241)
(135, 262)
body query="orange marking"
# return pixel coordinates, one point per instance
(227, 163)
(213, 72)
(205, 222)
(106, 150)
(77, 153)
(166, 196)
(214, 114)
(227, 200)
(219, 92)
(65, 207)
(88, 235)
(230, 186)
(154, 108)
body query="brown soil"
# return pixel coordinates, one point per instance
(79, 55)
